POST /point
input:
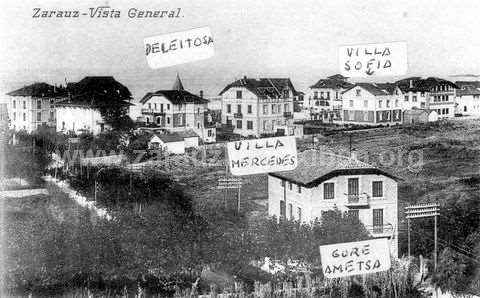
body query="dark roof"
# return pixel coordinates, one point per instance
(468, 87)
(315, 166)
(175, 96)
(177, 85)
(376, 89)
(263, 87)
(97, 91)
(176, 136)
(333, 82)
(417, 84)
(39, 90)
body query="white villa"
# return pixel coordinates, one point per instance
(323, 181)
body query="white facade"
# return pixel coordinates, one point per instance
(467, 104)
(254, 116)
(28, 113)
(360, 106)
(163, 113)
(79, 119)
(415, 100)
(377, 211)
(175, 147)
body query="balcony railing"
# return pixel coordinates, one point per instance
(357, 200)
(238, 115)
(152, 112)
(380, 230)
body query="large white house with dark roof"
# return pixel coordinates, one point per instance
(177, 110)
(323, 181)
(256, 107)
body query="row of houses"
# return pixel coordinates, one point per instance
(249, 107)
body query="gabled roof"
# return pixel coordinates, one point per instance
(263, 87)
(175, 97)
(468, 87)
(315, 166)
(376, 89)
(97, 91)
(333, 82)
(39, 90)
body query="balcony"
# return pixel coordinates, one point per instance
(381, 230)
(152, 112)
(287, 114)
(238, 115)
(357, 200)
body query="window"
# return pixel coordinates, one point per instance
(249, 124)
(351, 103)
(377, 189)
(14, 116)
(365, 103)
(229, 108)
(290, 211)
(24, 105)
(377, 220)
(158, 120)
(209, 133)
(446, 111)
(396, 103)
(315, 94)
(149, 106)
(365, 116)
(279, 109)
(274, 108)
(52, 104)
(351, 115)
(285, 108)
(282, 182)
(168, 120)
(286, 93)
(299, 188)
(154, 106)
(380, 104)
(283, 210)
(239, 109)
(328, 95)
(299, 214)
(336, 94)
(239, 94)
(465, 108)
(239, 123)
(355, 213)
(265, 124)
(168, 106)
(321, 94)
(249, 109)
(352, 188)
(290, 185)
(388, 103)
(14, 104)
(265, 109)
(414, 98)
(24, 117)
(406, 97)
(358, 92)
(52, 116)
(328, 191)
(63, 125)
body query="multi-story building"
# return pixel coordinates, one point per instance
(324, 181)
(178, 110)
(430, 93)
(372, 104)
(89, 104)
(33, 106)
(325, 98)
(255, 107)
(467, 98)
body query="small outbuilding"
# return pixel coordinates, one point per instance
(419, 116)
(174, 142)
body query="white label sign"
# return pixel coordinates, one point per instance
(179, 47)
(248, 157)
(352, 258)
(373, 60)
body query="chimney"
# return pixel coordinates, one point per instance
(201, 93)
(411, 83)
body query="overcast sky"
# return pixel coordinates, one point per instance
(297, 39)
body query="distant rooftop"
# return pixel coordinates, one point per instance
(39, 90)
(315, 166)
(264, 87)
